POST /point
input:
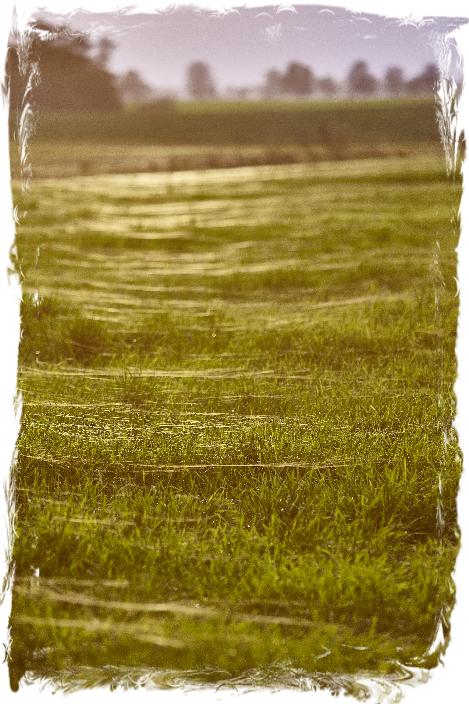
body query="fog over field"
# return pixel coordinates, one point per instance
(242, 45)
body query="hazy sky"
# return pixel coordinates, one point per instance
(242, 45)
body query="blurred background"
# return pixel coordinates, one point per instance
(190, 51)
(295, 80)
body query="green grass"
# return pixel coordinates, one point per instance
(408, 120)
(237, 390)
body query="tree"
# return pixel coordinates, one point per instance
(133, 89)
(328, 87)
(360, 80)
(273, 87)
(298, 80)
(69, 79)
(426, 82)
(105, 48)
(200, 82)
(394, 80)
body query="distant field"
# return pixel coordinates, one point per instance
(410, 120)
(232, 462)
(220, 135)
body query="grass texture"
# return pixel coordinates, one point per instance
(237, 453)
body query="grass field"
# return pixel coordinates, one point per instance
(220, 135)
(237, 460)
(410, 120)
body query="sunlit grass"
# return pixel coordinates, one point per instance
(252, 419)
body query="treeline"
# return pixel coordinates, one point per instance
(299, 81)
(58, 70)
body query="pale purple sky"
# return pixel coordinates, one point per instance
(243, 45)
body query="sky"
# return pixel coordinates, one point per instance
(242, 44)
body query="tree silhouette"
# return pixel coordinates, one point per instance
(133, 88)
(105, 48)
(426, 82)
(298, 80)
(360, 80)
(328, 87)
(273, 84)
(200, 83)
(69, 79)
(394, 81)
